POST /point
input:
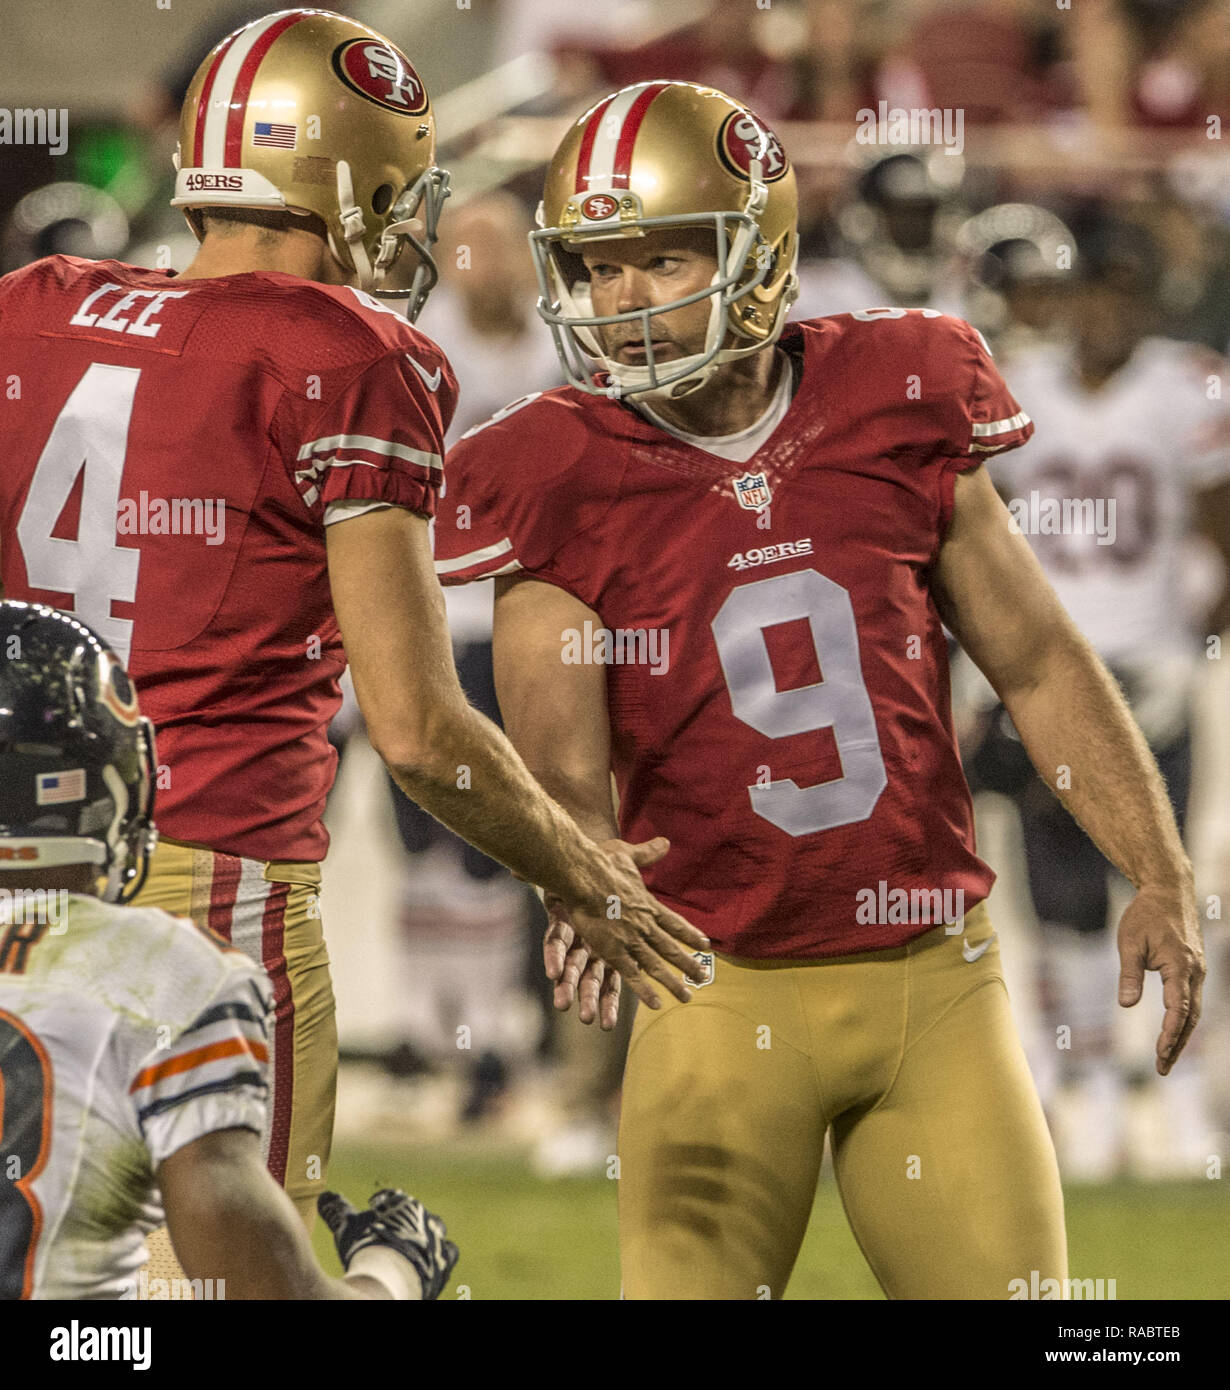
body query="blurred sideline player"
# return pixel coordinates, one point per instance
(1124, 417)
(777, 531)
(268, 392)
(1014, 261)
(482, 316)
(462, 926)
(133, 1044)
(895, 235)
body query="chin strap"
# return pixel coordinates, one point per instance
(372, 274)
(353, 228)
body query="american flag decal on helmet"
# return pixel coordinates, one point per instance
(55, 788)
(275, 135)
(223, 103)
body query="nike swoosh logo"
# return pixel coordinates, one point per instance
(971, 953)
(431, 382)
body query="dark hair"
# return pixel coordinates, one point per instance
(270, 220)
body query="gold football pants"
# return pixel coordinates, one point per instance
(907, 1058)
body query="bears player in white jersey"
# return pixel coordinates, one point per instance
(1132, 454)
(133, 1044)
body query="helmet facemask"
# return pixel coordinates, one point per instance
(745, 262)
(395, 263)
(70, 711)
(131, 837)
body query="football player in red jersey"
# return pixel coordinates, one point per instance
(725, 556)
(229, 473)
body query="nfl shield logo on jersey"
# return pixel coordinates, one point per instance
(706, 960)
(752, 490)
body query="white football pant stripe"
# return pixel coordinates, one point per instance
(248, 936)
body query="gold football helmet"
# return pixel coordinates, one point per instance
(668, 154)
(316, 113)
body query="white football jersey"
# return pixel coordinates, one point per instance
(125, 1034)
(1103, 490)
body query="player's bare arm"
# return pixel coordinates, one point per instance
(556, 716)
(461, 768)
(231, 1222)
(1070, 714)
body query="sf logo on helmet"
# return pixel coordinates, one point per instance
(381, 74)
(598, 207)
(404, 86)
(743, 138)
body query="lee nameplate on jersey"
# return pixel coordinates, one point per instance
(752, 490)
(706, 960)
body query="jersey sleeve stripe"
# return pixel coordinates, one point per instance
(476, 557)
(431, 466)
(238, 1079)
(222, 1012)
(994, 427)
(199, 1057)
(332, 444)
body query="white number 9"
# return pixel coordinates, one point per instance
(839, 702)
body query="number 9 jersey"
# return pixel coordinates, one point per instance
(777, 672)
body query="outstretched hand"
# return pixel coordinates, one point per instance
(584, 975)
(1160, 931)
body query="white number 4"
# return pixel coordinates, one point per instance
(90, 433)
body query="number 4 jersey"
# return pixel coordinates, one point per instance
(172, 453)
(124, 1035)
(776, 668)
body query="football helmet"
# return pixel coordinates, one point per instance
(77, 757)
(668, 154)
(1013, 242)
(906, 207)
(316, 113)
(1018, 259)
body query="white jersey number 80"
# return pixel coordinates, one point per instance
(839, 702)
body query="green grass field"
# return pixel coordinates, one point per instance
(521, 1237)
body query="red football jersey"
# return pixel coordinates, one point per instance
(778, 675)
(171, 448)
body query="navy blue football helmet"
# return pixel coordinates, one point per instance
(77, 759)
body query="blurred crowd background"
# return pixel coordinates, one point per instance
(1094, 127)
